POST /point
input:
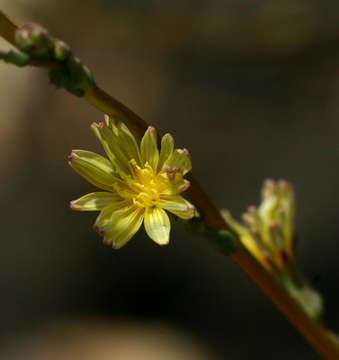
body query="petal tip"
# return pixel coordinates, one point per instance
(70, 157)
(151, 128)
(169, 136)
(164, 243)
(187, 184)
(251, 208)
(116, 246)
(186, 152)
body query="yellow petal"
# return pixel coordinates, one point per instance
(94, 168)
(113, 149)
(124, 224)
(179, 161)
(174, 183)
(125, 139)
(94, 201)
(167, 145)
(247, 239)
(105, 217)
(157, 225)
(178, 206)
(149, 148)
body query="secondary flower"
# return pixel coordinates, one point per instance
(268, 233)
(269, 229)
(140, 183)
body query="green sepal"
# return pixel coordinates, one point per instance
(73, 76)
(17, 58)
(35, 43)
(308, 298)
(223, 240)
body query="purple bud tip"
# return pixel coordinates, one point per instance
(71, 205)
(266, 255)
(251, 208)
(273, 224)
(94, 125)
(169, 136)
(282, 183)
(244, 217)
(70, 157)
(151, 128)
(101, 124)
(269, 183)
(254, 229)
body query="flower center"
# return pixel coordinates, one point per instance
(143, 187)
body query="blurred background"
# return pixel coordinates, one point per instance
(251, 88)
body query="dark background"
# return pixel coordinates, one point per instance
(251, 88)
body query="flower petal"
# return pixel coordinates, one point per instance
(94, 168)
(179, 161)
(94, 201)
(105, 217)
(157, 225)
(149, 148)
(113, 148)
(178, 206)
(167, 145)
(124, 224)
(125, 139)
(174, 183)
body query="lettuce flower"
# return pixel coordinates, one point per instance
(268, 231)
(140, 183)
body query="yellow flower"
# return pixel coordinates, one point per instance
(139, 184)
(269, 229)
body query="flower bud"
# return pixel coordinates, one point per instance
(34, 40)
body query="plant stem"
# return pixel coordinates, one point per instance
(315, 333)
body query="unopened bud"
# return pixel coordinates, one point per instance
(34, 40)
(62, 51)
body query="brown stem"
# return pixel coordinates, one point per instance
(7, 28)
(316, 334)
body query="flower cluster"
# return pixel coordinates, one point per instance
(269, 229)
(140, 183)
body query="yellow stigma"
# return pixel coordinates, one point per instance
(140, 183)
